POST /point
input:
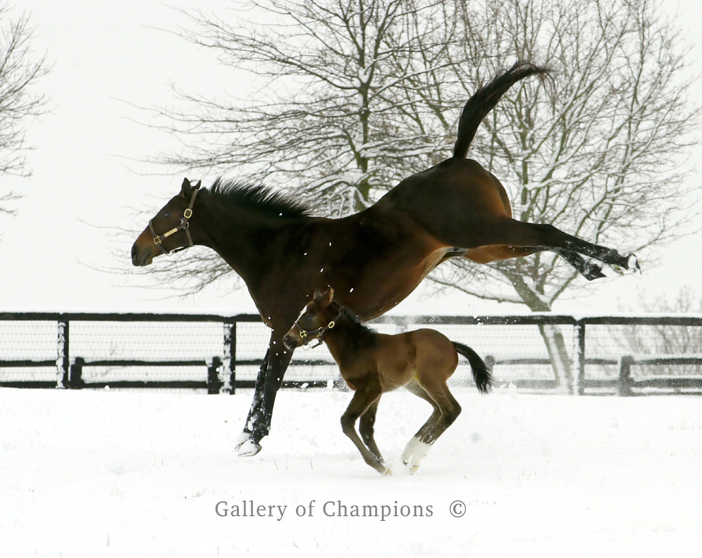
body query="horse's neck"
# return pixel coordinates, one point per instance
(239, 237)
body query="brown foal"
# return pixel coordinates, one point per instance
(372, 363)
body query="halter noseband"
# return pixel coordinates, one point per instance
(317, 333)
(184, 226)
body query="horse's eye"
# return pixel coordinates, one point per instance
(166, 214)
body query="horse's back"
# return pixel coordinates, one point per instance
(449, 199)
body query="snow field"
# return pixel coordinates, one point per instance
(144, 474)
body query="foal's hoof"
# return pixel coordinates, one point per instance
(249, 448)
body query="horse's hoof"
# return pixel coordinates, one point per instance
(249, 448)
(632, 264)
(594, 272)
(388, 472)
(241, 440)
(413, 469)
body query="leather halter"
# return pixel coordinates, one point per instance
(184, 226)
(316, 333)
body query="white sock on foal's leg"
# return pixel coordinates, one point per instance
(420, 453)
(409, 449)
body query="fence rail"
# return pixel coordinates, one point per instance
(600, 352)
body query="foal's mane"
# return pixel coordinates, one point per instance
(257, 198)
(362, 334)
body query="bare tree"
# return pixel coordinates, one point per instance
(361, 93)
(599, 154)
(354, 97)
(18, 73)
(672, 339)
(666, 339)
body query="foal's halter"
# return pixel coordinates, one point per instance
(316, 333)
(184, 226)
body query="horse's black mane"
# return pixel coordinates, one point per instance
(258, 198)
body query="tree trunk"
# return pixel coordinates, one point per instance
(560, 359)
(553, 338)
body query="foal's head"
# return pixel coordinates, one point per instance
(317, 317)
(169, 230)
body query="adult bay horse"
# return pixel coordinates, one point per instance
(372, 259)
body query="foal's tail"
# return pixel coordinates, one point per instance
(483, 101)
(481, 373)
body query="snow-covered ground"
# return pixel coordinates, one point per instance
(144, 474)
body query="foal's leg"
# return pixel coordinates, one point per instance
(366, 429)
(361, 401)
(418, 390)
(429, 433)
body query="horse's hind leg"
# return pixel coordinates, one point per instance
(513, 233)
(366, 428)
(587, 269)
(487, 254)
(361, 401)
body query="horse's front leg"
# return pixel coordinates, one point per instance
(268, 382)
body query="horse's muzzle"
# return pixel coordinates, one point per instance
(289, 342)
(141, 258)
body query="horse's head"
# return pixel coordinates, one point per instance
(316, 318)
(169, 230)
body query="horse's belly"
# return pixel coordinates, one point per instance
(394, 283)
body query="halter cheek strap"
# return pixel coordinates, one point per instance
(184, 226)
(317, 333)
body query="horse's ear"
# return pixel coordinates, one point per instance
(187, 187)
(317, 294)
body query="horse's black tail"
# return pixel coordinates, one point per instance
(483, 101)
(481, 373)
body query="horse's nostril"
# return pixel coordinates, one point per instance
(135, 254)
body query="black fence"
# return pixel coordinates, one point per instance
(624, 355)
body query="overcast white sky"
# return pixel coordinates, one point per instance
(108, 56)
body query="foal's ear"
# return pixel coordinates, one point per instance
(327, 297)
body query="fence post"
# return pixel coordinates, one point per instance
(62, 360)
(228, 380)
(213, 382)
(625, 382)
(579, 358)
(75, 379)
